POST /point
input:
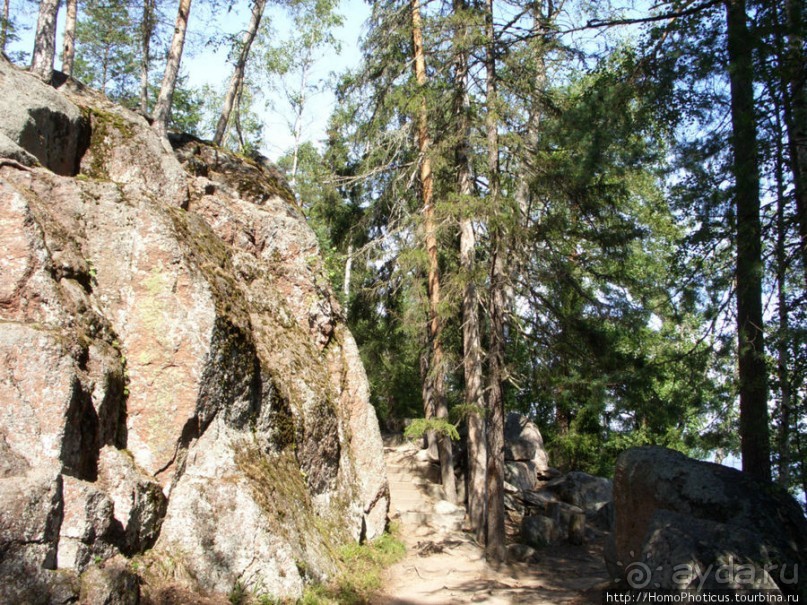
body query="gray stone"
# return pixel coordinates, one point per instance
(520, 475)
(112, 583)
(603, 517)
(523, 443)
(40, 121)
(139, 503)
(86, 532)
(540, 531)
(683, 553)
(671, 510)
(581, 489)
(11, 150)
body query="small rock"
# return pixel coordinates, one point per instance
(110, 584)
(520, 475)
(540, 531)
(522, 553)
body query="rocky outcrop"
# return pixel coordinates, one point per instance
(38, 126)
(686, 524)
(525, 457)
(547, 506)
(177, 384)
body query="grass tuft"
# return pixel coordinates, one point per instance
(362, 568)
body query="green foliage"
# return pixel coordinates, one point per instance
(106, 48)
(239, 595)
(440, 426)
(362, 566)
(187, 107)
(245, 129)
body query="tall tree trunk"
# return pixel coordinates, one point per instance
(105, 69)
(5, 25)
(348, 275)
(754, 429)
(69, 40)
(146, 32)
(237, 80)
(781, 257)
(163, 107)
(299, 106)
(436, 374)
(796, 115)
(495, 547)
(783, 357)
(45, 40)
(471, 345)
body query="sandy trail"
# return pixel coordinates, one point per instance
(443, 564)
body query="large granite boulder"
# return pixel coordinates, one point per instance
(686, 524)
(177, 383)
(38, 125)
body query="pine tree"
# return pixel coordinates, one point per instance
(754, 422)
(435, 404)
(105, 49)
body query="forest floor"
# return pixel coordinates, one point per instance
(444, 565)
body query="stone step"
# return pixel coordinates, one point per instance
(436, 521)
(424, 490)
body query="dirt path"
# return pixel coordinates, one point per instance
(445, 566)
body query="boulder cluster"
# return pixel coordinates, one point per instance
(667, 522)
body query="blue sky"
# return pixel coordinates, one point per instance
(208, 65)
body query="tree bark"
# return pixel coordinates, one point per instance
(754, 428)
(237, 80)
(796, 115)
(146, 32)
(783, 351)
(69, 40)
(495, 547)
(298, 102)
(348, 275)
(4, 26)
(436, 374)
(471, 344)
(45, 40)
(163, 107)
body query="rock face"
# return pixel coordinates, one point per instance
(681, 523)
(549, 507)
(177, 383)
(524, 449)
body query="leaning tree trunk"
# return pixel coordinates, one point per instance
(45, 40)
(237, 80)
(436, 374)
(163, 107)
(146, 32)
(495, 547)
(754, 429)
(69, 40)
(299, 106)
(471, 344)
(4, 26)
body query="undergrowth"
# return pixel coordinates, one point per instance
(362, 566)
